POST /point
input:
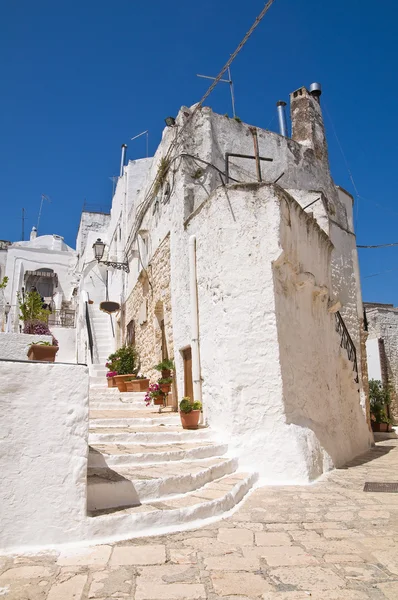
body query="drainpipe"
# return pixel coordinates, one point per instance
(193, 292)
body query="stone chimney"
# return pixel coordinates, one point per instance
(307, 121)
(33, 233)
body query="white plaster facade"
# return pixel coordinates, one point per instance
(44, 424)
(48, 262)
(239, 244)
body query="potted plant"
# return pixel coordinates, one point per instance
(380, 399)
(155, 395)
(138, 384)
(125, 361)
(165, 367)
(165, 384)
(190, 413)
(110, 378)
(42, 351)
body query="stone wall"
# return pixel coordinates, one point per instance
(383, 324)
(147, 305)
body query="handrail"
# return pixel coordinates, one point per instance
(347, 343)
(89, 332)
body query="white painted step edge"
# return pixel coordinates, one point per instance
(159, 437)
(166, 420)
(113, 460)
(117, 527)
(113, 494)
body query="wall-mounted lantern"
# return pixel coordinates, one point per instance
(99, 249)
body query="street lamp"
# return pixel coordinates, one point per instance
(99, 249)
(170, 121)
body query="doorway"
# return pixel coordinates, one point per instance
(188, 379)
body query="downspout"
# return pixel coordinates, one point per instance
(193, 292)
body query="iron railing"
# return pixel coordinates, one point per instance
(89, 332)
(62, 318)
(347, 343)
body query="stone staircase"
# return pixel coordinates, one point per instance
(147, 475)
(104, 345)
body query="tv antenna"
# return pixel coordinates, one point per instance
(147, 139)
(23, 224)
(114, 179)
(231, 87)
(43, 197)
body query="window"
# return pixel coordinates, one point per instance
(130, 337)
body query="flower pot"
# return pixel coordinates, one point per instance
(166, 373)
(381, 427)
(190, 420)
(111, 382)
(138, 385)
(120, 381)
(165, 387)
(158, 400)
(42, 353)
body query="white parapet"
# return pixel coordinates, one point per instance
(15, 346)
(44, 452)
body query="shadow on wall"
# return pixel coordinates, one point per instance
(107, 490)
(320, 395)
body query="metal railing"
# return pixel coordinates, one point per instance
(89, 331)
(62, 318)
(347, 343)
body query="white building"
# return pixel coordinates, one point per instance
(257, 249)
(49, 265)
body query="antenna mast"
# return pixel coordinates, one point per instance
(23, 225)
(231, 87)
(147, 139)
(43, 197)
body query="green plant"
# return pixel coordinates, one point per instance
(31, 307)
(165, 380)
(125, 360)
(41, 344)
(237, 119)
(380, 399)
(161, 175)
(197, 405)
(3, 283)
(36, 327)
(186, 405)
(166, 365)
(198, 174)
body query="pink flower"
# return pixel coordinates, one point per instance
(111, 373)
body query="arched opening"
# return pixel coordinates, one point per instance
(44, 280)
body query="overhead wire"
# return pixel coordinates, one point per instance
(174, 144)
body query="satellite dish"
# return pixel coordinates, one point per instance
(109, 307)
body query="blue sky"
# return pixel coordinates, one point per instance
(80, 78)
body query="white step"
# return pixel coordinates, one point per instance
(126, 422)
(154, 435)
(129, 486)
(139, 454)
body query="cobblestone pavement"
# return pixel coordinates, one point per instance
(327, 541)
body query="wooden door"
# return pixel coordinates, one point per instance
(188, 381)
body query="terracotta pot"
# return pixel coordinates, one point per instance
(381, 427)
(42, 353)
(165, 387)
(158, 400)
(138, 385)
(111, 382)
(190, 420)
(166, 373)
(120, 381)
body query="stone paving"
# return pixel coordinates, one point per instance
(326, 541)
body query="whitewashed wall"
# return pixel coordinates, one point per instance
(66, 337)
(373, 354)
(44, 425)
(15, 346)
(254, 392)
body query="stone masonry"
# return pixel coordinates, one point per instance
(151, 297)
